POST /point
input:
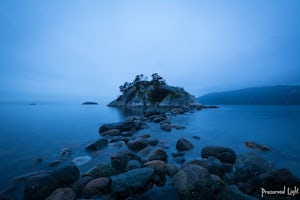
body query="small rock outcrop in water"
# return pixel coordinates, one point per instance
(153, 93)
(89, 103)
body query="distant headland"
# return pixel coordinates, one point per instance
(271, 95)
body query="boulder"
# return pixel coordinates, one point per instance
(157, 154)
(151, 112)
(176, 111)
(96, 187)
(183, 144)
(81, 160)
(79, 185)
(41, 187)
(193, 182)
(248, 166)
(62, 193)
(153, 142)
(166, 126)
(177, 127)
(224, 154)
(135, 181)
(253, 145)
(270, 181)
(171, 170)
(160, 170)
(101, 170)
(145, 152)
(215, 166)
(159, 166)
(158, 119)
(133, 164)
(111, 133)
(127, 125)
(120, 159)
(217, 183)
(99, 144)
(137, 144)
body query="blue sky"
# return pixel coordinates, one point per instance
(83, 50)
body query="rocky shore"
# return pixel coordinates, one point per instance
(141, 169)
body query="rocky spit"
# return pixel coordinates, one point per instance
(141, 170)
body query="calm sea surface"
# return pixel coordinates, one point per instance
(43, 131)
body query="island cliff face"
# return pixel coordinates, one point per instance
(154, 93)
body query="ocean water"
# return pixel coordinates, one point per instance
(42, 131)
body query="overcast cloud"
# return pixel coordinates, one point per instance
(73, 51)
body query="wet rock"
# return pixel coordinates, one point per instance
(157, 154)
(133, 164)
(39, 160)
(166, 126)
(271, 181)
(159, 166)
(193, 182)
(179, 160)
(183, 144)
(224, 154)
(126, 134)
(135, 181)
(55, 162)
(99, 144)
(120, 159)
(196, 137)
(214, 166)
(145, 152)
(217, 183)
(145, 136)
(120, 139)
(117, 144)
(101, 170)
(250, 165)
(138, 144)
(42, 187)
(171, 170)
(227, 167)
(62, 193)
(151, 111)
(233, 193)
(200, 163)
(127, 125)
(79, 185)
(160, 169)
(158, 119)
(81, 160)
(177, 127)
(176, 111)
(253, 145)
(111, 133)
(66, 152)
(96, 187)
(153, 142)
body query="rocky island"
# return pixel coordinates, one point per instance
(141, 167)
(154, 93)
